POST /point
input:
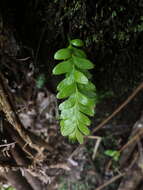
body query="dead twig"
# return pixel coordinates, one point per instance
(98, 140)
(110, 181)
(132, 140)
(9, 144)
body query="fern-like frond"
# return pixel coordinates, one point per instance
(77, 89)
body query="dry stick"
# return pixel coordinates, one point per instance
(8, 144)
(133, 139)
(135, 92)
(110, 181)
(98, 140)
(96, 147)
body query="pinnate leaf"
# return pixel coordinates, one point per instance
(81, 93)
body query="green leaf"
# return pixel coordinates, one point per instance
(67, 113)
(67, 104)
(89, 94)
(88, 90)
(63, 67)
(66, 129)
(113, 153)
(63, 54)
(9, 188)
(66, 91)
(83, 129)
(80, 77)
(89, 86)
(72, 136)
(83, 119)
(82, 63)
(79, 136)
(116, 156)
(87, 74)
(110, 152)
(84, 100)
(87, 110)
(81, 93)
(79, 52)
(77, 42)
(64, 83)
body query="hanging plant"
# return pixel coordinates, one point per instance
(77, 89)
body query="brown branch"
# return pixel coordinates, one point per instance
(110, 181)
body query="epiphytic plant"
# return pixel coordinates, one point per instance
(77, 89)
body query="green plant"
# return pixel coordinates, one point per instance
(114, 154)
(77, 88)
(6, 188)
